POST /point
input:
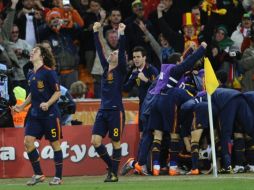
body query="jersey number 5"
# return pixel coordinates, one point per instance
(53, 132)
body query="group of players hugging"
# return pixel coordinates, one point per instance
(173, 116)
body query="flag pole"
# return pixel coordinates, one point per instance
(212, 135)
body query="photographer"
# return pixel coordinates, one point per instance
(7, 98)
(22, 50)
(66, 105)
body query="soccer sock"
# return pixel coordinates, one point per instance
(165, 144)
(145, 148)
(250, 157)
(103, 153)
(156, 150)
(116, 158)
(226, 156)
(239, 150)
(133, 163)
(194, 155)
(174, 150)
(35, 161)
(250, 151)
(58, 158)
(139, 146)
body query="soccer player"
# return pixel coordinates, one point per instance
(109, 118)
(142, 75)
(43, 117)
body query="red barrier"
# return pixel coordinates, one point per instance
(86, 111)
(79, 156)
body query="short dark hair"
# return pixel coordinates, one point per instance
(195, 7)
(109, 32)
(115, 9)
(174, 58)
(141, 49)
(96, 1)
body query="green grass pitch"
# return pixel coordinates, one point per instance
(202, 182)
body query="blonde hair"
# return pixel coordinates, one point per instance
(78, 89)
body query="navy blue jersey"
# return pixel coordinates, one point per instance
(112, 81)
(150, 72)
(42, 85)
(249, 97)
(222, 96)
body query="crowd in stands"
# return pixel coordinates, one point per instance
(162, 27)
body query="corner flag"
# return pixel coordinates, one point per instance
(211, 82)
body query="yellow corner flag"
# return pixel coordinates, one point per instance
(211, 82)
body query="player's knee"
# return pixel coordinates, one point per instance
(116, 144)
(158, 135)
(56, 145)
(28, 143)
(196, 135)
(96, 141)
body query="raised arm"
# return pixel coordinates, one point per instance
(121, 54)
(154, 44)
(188, 63)
(98, 46)
(175, 39)
(8, 22)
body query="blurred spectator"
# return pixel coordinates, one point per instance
(114, 20)
(246, 4)
(70, 16)
(80, 5)
(7, 55)
(197, 18)
(242, 31)
(150, 6)
(219, 48)
(123, 5)
(189, 30)
(163, 49)
(28, 23)
(79, 91)
(171, 14)
(87, 48)
(22, 50)
(134, 35)
(174, 38)
(247, 63)
(61, 38)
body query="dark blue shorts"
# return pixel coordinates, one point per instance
(49, 127)
(111, 122)
(162, 115)
(165, 111)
